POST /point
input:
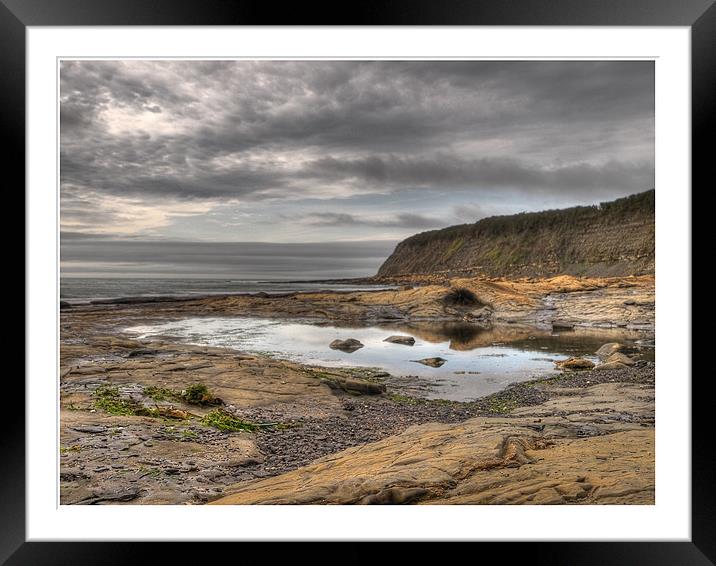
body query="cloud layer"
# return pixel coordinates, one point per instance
(286, 151)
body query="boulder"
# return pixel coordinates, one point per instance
(349, 345)
(404, 340)
(608, 349)
(575, 364)
(611, 348)
(432, 362)
(363, 387)
(620, 358)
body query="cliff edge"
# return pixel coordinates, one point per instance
(611, 239)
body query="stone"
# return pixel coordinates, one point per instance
(365, 387)
(620, 358)
(89, 429)
(64, 305)
(142, 352)
(575, 364)
(608, 349)
(242, 462)
(432, 362)
(404, 340)
(562, 325)
(122, 494)
(349, 345)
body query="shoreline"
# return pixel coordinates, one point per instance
(301, 415)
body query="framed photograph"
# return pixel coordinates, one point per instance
(398, 278)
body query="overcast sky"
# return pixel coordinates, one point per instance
(355, 154)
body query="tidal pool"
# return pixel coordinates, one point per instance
(480, 360)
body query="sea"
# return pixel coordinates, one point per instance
(77, 290)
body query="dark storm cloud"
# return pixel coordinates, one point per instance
(249, 129)
(447, 170)
(230, 259)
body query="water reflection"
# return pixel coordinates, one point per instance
(480, 359)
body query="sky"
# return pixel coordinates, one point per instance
(310, 169)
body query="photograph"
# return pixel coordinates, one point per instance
(340, 281)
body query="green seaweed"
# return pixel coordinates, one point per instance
(227, 422)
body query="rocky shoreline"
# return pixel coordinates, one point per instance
(133, 432)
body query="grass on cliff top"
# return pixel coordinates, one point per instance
(453, 249)
(227, 422)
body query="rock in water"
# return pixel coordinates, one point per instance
(575, 363)
(404, 340)
(432, 362)
(350, 345)
(562, 325)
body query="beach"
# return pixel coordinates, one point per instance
(152, 418)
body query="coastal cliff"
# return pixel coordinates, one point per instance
(614, 238)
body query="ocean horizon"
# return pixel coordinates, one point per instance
(85, 289)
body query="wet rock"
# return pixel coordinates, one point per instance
(608, 349)
(242, 462)
(432, 362)
(620, 358)
(89, 429)
(562, 325)
(611, 348)
(356, 386)
(363, 387)
(121, 494)
(404, 340)
(142, 352)
(575, 364)
(388, 313)
(349, 345)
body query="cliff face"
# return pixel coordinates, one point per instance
(613, 239)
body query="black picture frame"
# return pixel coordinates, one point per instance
(699, 15)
